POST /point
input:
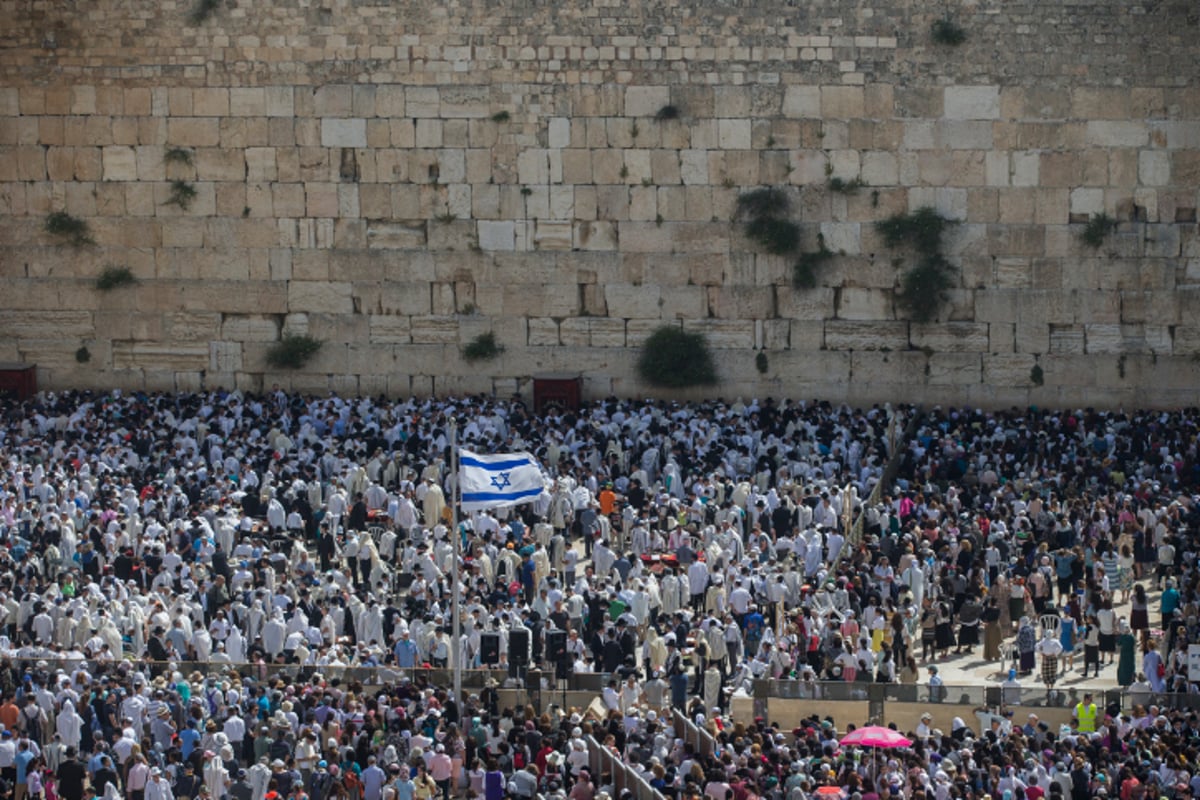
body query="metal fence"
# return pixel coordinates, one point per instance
(604, 761)
(880, 694)
(693, 734)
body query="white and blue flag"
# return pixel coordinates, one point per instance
(497, 481)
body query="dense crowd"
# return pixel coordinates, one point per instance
(234, 596)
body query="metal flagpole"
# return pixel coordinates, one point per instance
(456, 644)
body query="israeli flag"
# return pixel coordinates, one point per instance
(497, 481)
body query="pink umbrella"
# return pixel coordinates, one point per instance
(875, 736)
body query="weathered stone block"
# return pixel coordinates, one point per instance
(120, 164)
(851, 335)
(951, 337)
(326, 297)
(348, 132)
(864, 304)
(724, 334)
(645, 101)
(972, 102)
(628, 301)
(543, 332)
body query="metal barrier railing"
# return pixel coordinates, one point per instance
(693, 734)
(603, 760)
(978, 696)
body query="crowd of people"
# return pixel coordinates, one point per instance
(236, 596)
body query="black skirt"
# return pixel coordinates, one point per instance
(968, 635)
(1108, 643)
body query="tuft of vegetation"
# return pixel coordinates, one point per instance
(624, 173)
(73, 230)
(114, 277)
(1036, 376)
(760, 203)
(446, 217)
(203, 10)
(667, 112)
(293, 351)
(526, 191)
(483, 347)
(674, 359)
(182, 194)
(501, 116)
(845, 187)
(83, 355)
(777, 236)
(761, 363)
(1097, 229)
(926, 286)
(946, 31)
(804, 273)
(178, 155)
(634, 130)
(922, 229)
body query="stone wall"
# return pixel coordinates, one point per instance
(395, 179)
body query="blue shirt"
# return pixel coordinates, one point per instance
(22, 761)
(188, 739)
(1170, 600)
(406, 653)
(405, 788)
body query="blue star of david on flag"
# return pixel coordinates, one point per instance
(500, 479)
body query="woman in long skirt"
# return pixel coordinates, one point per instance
(1026, 646)
(1139, 612)
(1127, 655)
(944, 633)
(991, 630)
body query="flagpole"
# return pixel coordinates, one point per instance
(456, 644)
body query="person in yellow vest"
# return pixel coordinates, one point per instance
(1085, 714)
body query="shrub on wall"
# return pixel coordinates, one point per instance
(483, 347)
(293, 351)
(926, 286)
(674, 359)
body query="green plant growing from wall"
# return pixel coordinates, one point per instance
(1036, 376)
(483, 347)
(1098, 227)
(83, 355)
(501, 116)
(667, 112)
(293, 351)
(673, 358)
(761, 363)
(763, 214)
(178, 155)
(114, 277)
(203, 10)
(842, 186)
(182, 194)
(926, 286)
(804, 273)
(72, 230)
(946, 31)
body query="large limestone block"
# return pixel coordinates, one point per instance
(543, 332)
(343, 132)
(225, 356)
(954, 369)
(331, 297)
(628, 301)
(496, 235)
(724, 334)
(120, 164)
(249, 328)
(192, 325)
(805, 304)
(1012, 370)
(864, 304)
(390, 235)
(390, 329)
(853, 335)
(951, 337)
(645, 101)
(46, 324)
(606, 332)
(435, 330)
(150, 355)
(972, 102)
(802, 102)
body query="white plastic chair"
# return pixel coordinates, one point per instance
(1052, 623)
